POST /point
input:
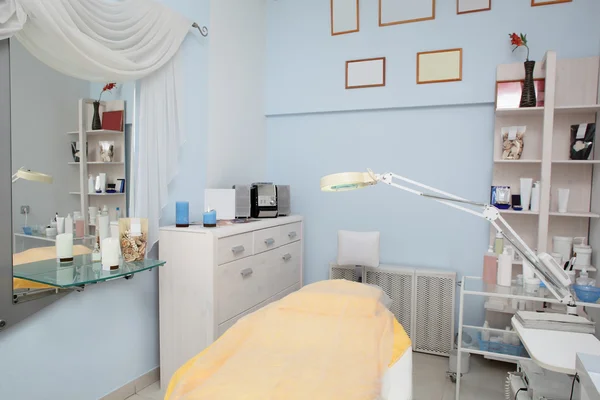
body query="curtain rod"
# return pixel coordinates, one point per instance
(203, 30)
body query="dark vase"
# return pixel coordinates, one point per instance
(528, 95)
(96, 123)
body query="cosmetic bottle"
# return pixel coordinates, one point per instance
(499, 243)
(504, 277)
(490, 266)
(91, 185)
(69, 224)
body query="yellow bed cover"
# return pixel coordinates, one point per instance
(330, 340)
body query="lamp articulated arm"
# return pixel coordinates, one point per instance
(545, 267)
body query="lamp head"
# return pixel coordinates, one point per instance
(347, 181)
(28, 175)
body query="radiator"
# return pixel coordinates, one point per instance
(422, 301)
(347, 272)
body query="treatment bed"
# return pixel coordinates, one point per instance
(330, 340)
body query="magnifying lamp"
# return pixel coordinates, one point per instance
(544, 265)
(28, 175)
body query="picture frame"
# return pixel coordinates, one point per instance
(508, 93)
(472, 6)
(345, 17)
(396, 12)
(536, 3)
(439, 66)
(365, 73)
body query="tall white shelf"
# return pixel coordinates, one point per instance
(570, 98)
(91, 164)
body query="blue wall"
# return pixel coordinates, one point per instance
(439, 134)
(305, 64)
(89, 344)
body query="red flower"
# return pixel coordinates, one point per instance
(107, 87)
(518, 41)
(515, 40)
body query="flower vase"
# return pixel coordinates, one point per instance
(528, 94)
(96, 123)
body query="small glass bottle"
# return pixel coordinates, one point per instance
(118, 214)
(499, 243)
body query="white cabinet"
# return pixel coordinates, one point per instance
(215, 276)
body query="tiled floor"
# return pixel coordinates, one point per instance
(485, 380)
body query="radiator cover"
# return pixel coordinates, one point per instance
(422, 301)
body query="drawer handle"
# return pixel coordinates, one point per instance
(287, 257)
(292, 235)
(237, 249)
(246, 272)
(269, 241)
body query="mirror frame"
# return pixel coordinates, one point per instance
(10, 313)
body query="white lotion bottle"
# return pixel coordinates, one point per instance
(526, 184)
(535, 197)
(504, 269)
(91, 185)
(69, 224)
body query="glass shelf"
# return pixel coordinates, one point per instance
(476, 286)
(82, 271)
(39, 236)
(472, 342)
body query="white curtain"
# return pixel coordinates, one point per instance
(116, 40)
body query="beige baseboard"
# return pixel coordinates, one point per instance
(134, 386)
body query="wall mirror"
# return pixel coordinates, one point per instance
(49, 115)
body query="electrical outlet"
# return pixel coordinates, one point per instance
(25, 210)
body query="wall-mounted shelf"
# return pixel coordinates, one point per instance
(82, 271)
(522, 161)
(571, 97)
(515, 112)
(578, 109)
(98, 194)
(575, 214)
(511, 211)
(98, 163)
(97, 132)
(92, 162)
(576, 162)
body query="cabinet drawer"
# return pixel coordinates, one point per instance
(290, 232)
(267, 239)
(234, 247)
(228, 324)
(284, 264)
(240, 285)
(287, 291)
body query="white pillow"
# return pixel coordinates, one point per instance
(358, 248)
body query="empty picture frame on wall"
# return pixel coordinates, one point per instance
(471, 6)
(366, 73)
(394, 12)
(344, 17)
(439, 66)
(535, 3)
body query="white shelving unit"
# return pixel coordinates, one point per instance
(90, 163)
(570, 98)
